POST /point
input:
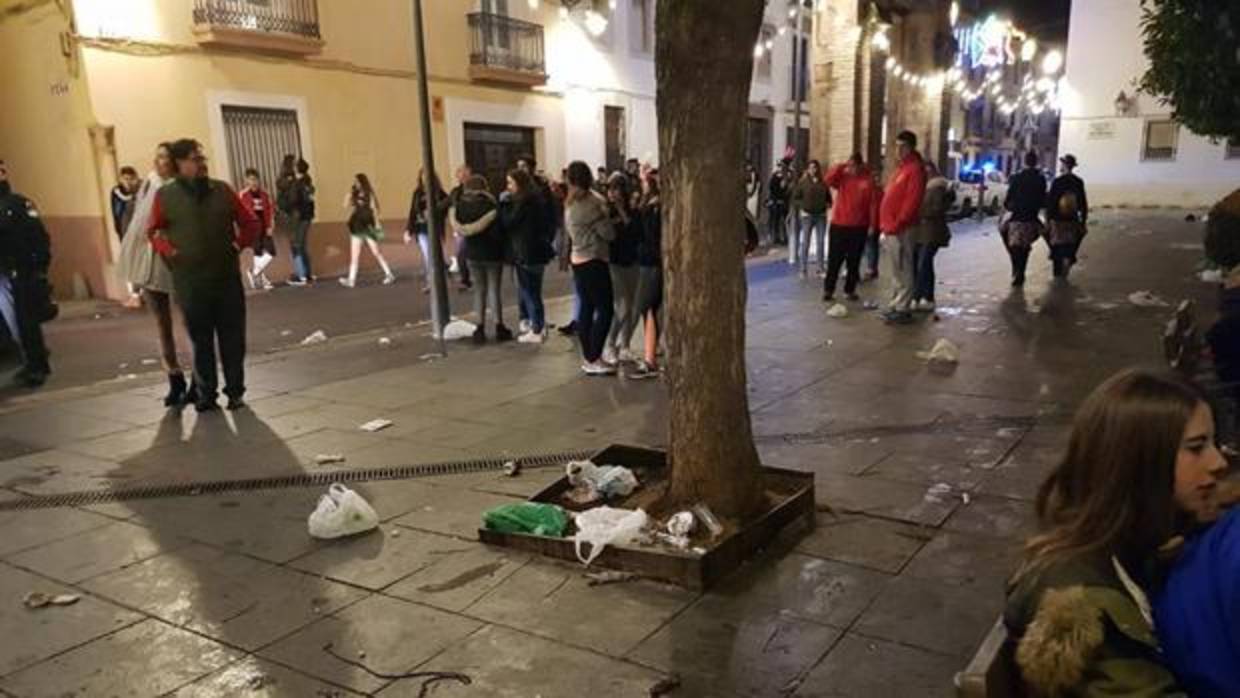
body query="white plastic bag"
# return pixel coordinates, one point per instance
(341, 512)
(458, 329)
(607, 481)
(838, 310)
(944, 352)
(604, 526)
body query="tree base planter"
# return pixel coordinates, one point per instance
(791, 503)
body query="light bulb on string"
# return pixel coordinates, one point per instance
(758, 51)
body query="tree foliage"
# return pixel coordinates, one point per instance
(1194, 58)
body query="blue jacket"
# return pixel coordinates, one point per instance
(1197, 613)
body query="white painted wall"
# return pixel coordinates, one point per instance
(1104, 57)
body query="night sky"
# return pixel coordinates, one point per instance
(1046, 19)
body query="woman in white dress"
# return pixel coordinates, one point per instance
(140, 266)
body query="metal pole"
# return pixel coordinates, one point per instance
(439, 284)
(798, 67)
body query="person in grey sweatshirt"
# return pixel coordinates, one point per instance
(590, 229)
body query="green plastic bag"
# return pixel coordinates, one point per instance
(527, 517)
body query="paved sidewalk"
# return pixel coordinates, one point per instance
(925, 483)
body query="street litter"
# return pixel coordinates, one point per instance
(341, 512)
(936, 493)
(838, 311)
(1146, 299)
(598, 579)
(149, 362)
(527, 517)
(315, 337)
(458, 329)
(943, 352)
(123, 366)
(681, 524)
(328, 458)
(604, 526)
(708, 519)
(512, 468)
(964, 497)
(395, 533)
(592, 482)
(1211, 276)
(665, 686)
(376, 425)
(870, 305)
(429, 678)
(286, 333)
(677, 542)
(37, 599)
(385, 341)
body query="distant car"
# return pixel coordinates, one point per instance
(981, 189)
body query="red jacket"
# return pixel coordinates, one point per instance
(261, 207)
(901, 207)
(856, 199)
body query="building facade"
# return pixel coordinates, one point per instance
(1131, 151)
(93, 85)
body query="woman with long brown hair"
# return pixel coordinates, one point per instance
(365, 227)
(1141, 469)
(147, 272)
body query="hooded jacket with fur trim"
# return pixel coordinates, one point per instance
(1079, 633)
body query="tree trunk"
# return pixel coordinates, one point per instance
(704, 63)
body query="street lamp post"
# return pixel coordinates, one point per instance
(798, 67)
(439, 284)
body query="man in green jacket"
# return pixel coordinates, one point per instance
(199, 225)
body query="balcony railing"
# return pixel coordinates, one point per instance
(283, 26)
(503, 49)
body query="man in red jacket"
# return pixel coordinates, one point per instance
(853, 218)
(899, 211)
(258, 201)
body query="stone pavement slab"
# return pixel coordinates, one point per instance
(456, 580)
(28, 529)
(94, 552)
(505, 663)
(389, 635)
(256, 678)
(553, 600)
(877, 544)
(32, 635)
(934, 616)
(377, 559)
(719, 649)
(860, 666)
(146, 659)
(899, 501)
(237, 600)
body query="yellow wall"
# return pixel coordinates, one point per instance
(143, 73)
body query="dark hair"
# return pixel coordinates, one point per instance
(857, 158)
(127, 170)
(652, 188)
(527, 159)
(908, 138)
(1031, 159)
(525, 183)
(363, 180)
(288, 165)
(183, 149)
(251, 172)
(1113, 492)
(814, 164)
(477, 183)
(302, 166)
(579, 175)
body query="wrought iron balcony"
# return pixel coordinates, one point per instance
(280, 26)
(508, 50)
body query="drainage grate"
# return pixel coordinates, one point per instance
(190, 489)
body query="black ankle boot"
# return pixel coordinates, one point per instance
(177, 389)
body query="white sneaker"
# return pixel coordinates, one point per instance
(389, 279)
(627, 356)
(346, 283)
(523, 326)
(532, 338)
(609, 356)
(598, 369)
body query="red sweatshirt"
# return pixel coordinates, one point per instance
(857, 197)
(901, 207)
(259, 204)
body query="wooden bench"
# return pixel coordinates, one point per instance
(992, 672)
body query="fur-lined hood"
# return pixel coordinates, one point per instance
(1079, 632)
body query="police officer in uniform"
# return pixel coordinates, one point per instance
(25, 254)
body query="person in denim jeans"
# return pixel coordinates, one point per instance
(929, 235)
(812, 198)
(303, 210)
(520, 214)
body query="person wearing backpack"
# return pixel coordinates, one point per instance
(301, 205)
(1067, 211)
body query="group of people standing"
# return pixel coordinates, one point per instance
(1067, 216)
